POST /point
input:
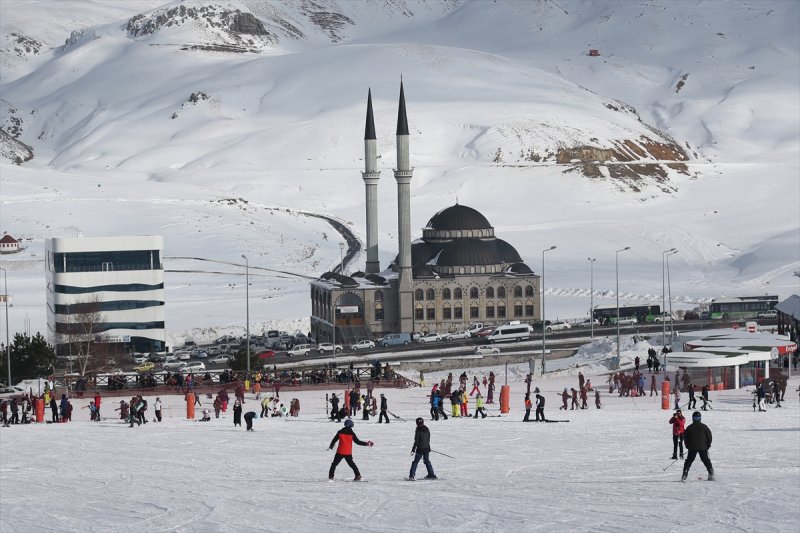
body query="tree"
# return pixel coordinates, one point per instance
(81, 333)
(239, 360)
(31, 357)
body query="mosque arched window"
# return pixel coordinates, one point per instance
(473, 292)
(419, 295)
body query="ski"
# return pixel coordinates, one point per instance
(397, 417)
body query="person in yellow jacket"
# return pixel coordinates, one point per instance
(479, 409)
(257, 385)
(464, 403)
(265, 407)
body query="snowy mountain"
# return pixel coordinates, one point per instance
(227, 126)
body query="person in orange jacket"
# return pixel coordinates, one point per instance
(344, 450)
(528, 406)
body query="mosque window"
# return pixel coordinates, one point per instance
(457, 295)
(431, 313)
(378, 314)
(501, 311)
(529, 291)
(445, 294)
(489, 311)
(447, 312)
(458, 313)
(431, 295)
(528, 309)
(501, 292)
(419, 295)
(474, 311)
(490, 292)
(517, 292)
(518, 310)
(419, 313)
(473, 292)
(378, 296)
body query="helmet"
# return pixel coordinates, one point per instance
(348, 423)
(696, 415)
(420, 421)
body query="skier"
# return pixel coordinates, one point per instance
(217, 406)
(434, 404)
(237, 413)
(653, 389)
(636, 361)
(698, 440)
(158, 409)
(677, 395)
(364, 409)
(584, 398)
(442, 413)
(527, 408)
(692, 400)
(776, 393)
(97, 401)
(123, 410)
(54, 408)
(479, 406)
(574, 399)
(344, 450)
(248, 419)
(265, 407)
(384, 410)
(762, 394)
(334, 408)
(597, 398)
(564, 399)
(455, 403)
(476, 386)
(678, 429)
(539, 406)
(421, 450)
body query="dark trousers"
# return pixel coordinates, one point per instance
(692, 402)
(338, 459)
(703, 457)
(540, 412)
(158, 415)
(527, 415)
(480, 410)
(248, 419)
(442, 413)
(382, 416)
(434, 413)
(428, 466)
(677, 440)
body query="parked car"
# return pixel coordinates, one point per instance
(663, 317)
(219, 360)
(300, 338)
(266, 354)
(213, 350)
(486, 350)
(474, 328)
(394, 339)
(328, 347)
(537, 325)
(170, 358)
(585, 323)
(299, 349)
(484, 332)
(430, 337)
(225, 339)
(174, 365)
(139, 358)
(363, 345)
(9, 393)
(691, 315)
(457, 335)
(183, 356)
(557, 326)
(147, 366)
(201, 354)
(194, 366)
(767, 314)
(624, 320)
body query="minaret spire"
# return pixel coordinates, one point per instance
(402, 120)
(371, 176)
(402, 175)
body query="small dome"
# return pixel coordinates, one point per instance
(423, 271)
(519, 268)
(458, 217)
(507, 253)
(466, 252)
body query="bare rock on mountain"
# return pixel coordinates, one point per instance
(13, 149)
(249, 24)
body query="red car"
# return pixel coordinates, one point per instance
(266, 354)
(485, 332)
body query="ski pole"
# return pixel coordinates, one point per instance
(669, 465)
(440, 453)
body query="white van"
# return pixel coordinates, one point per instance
(510, 333)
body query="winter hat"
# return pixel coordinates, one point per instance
(696, 416)
(420, 421)
(348, 423)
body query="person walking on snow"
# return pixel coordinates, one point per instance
(678, 428)
(237, 413)
(692, 400)
(653, 389)
(528, 405)
(344, 450)
(564, 399)
(421, 450)
(677, 397)
(384, 410)
(597, 398)
(574, 399)
(158, 409)
(539, 406)
(479, 406)
(476, 386)
(698, 440)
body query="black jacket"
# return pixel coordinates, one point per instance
(697, 437)
(540, 401)
(384, 404)
(422, 440)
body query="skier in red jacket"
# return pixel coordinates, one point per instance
(678, 429)
(346, 438)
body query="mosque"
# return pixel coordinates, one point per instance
(457, 274)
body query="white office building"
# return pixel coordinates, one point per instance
(118, 279)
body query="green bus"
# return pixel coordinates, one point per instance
(607, 314)
(740, 307)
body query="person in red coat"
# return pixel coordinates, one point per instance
(346, 438)
(97, 404)
(678, 429)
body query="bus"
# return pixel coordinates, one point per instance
(740, 307)
(607, 314)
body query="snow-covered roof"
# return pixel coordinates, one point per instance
(790, 306)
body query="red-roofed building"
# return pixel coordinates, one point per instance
(8, 244)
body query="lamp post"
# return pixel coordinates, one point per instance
(616, 268)
(247, 297)
(591, 293)
(664, 255)
(669, 294)
(8, 340)
(544, 330)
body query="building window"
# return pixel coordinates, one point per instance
(445, 294)
(419, 295)
(517, 310)
(529, 291)
(431, 313)
(458, 314)
(489, 311)
(474, 311)
(501, 311)
(447, 313)
(431, 295)
(419, 313)
(517, 292)
(473, 293)
(378, 296)
(457, 294)
(528, 309)
(489, 292)
(501, 292)
(379, 314)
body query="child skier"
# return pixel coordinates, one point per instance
(344, 450)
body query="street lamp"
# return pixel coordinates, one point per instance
(8, 340)
(591, 293)
(247, 298)
(616, 268)
(664, 255)
(541, 288)
(669, 294)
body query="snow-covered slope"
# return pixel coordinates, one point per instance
(682, 133)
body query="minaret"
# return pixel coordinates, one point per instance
(403, 176)
(371, 176)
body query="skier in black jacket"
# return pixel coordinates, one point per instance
(421, 450)
(698, 440)
(539, 407)
(384, 409)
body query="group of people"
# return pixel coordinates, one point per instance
(133, 412)
(696, 438)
